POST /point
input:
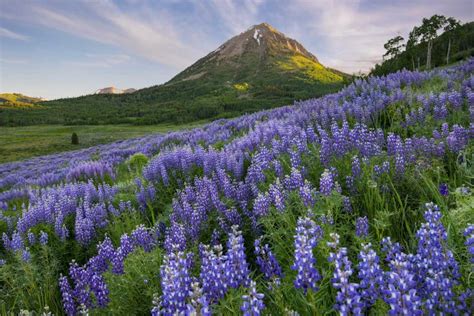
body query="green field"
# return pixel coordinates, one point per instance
(17, 143)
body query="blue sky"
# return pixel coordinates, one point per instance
(57, 48)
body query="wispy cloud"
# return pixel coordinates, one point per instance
(344, 34)
(352, 32)
(13, 35)
(100, 60)
(152, 36)
(235, 16)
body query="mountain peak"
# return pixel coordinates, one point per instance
(259, 50)
(263, 26)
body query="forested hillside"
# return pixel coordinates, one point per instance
(454, 44)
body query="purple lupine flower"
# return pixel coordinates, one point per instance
(237, 266)
(443, 189)
(253, 301)
(198, 304)
(278, 168)
(469, 233)
(400, 288)
(84, 228)
(400, 164)
(350, 184)
(466, 302)
(267, 261)
(295, 159)
(294, 181)
(81, 277)
(175, 282)
(100, 290)
(145, 195)
(16, 242)
(326, 219)
(106, 253)
(261, 205)
(67, 296)
(26, 255)
(390, 249)
(348, 299)
(346, 204)
(306, 194)
(362, 226)
(370, 275)
(31, 238)
(215, 237)
(43, 239)
(306, 238)
(126, 247)
(356, 169)
(435, 265)
(277, 196)
(6, 241)
(213, 274)
(326, 182)
(143, 237)
(2, 262)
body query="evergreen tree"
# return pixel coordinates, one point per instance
(74, 139)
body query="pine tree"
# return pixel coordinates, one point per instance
(74, 139)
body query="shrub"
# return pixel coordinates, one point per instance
(74, 139)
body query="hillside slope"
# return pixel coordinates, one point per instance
(462, 46)
(18, 100)
(259, 68)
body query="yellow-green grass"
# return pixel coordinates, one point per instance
(312, 69)
(242, 87)
(15, 100)
(17, 143)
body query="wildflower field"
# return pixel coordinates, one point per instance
(359, 202)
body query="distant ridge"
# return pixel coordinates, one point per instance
(114, 90)
(18, 100)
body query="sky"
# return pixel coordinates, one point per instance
(57, 48)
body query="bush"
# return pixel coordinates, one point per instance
(74, 139)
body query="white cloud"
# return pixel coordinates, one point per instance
(236, 16)
(352, 32)
(150, 35)
(344, 34)
(100, 60)
(13, 35)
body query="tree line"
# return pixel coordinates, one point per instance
(437, 41)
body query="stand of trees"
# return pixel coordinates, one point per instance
(438, 41)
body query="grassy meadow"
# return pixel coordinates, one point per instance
(18, 143)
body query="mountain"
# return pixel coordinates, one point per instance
(258, 69)
(113, 90)
(259, 53)
(18, 100)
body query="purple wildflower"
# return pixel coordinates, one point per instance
(348, 299)
(253, 302)
(267, 261)
(443, 189)
(237, 266)
(362, 226)
(306, 238)
(370, 275)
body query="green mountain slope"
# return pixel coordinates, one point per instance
(17, 100)
(259, 68)
(462, 46)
